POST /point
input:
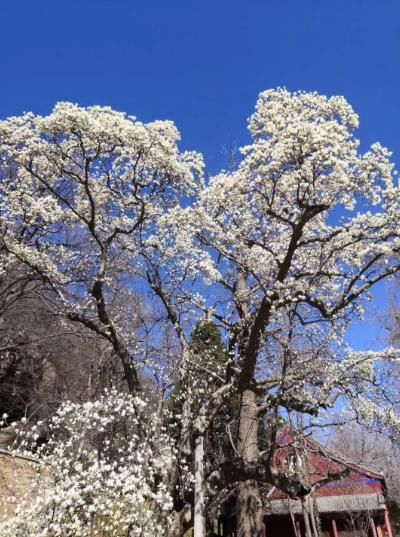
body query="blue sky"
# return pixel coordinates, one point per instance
(202, 63)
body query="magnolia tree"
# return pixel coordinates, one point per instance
(292, 241)
(81, 194)
(80, 191)
(105, 465)
(281, 253)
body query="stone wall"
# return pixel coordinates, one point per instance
(21, 480)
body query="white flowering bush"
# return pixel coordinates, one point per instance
(106, 465)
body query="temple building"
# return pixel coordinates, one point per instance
(352, 505)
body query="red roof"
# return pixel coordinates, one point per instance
(314, 462)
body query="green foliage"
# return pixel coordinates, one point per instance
(394, 510)
(207, 346)
(206, 343)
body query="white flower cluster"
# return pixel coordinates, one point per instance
(81, 189)
(307, 218)
(378, 417)
(106, 464)
(282, 251)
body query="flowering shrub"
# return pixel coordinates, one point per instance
(107, 465)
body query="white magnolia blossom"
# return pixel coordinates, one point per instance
(282, 252)
(310, 222)
(378, 417)
(302, 173)
(288, 247)
(106, 465)
(81, 192)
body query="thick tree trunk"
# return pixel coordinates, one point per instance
(199, 526)
(248, 509)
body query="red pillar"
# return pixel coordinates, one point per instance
(373, 527)
(334, 528)
(388, 524)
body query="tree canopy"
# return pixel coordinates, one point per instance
(126, 239)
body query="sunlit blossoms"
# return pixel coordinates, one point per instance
(292, 240)
(279, 255)
(106, 465)
(80, 191)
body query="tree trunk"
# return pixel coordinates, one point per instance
(248, 509)
(199, 526)
(306, 517)
(315, 518)
(180, 521)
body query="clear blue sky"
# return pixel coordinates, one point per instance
(202, 63)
